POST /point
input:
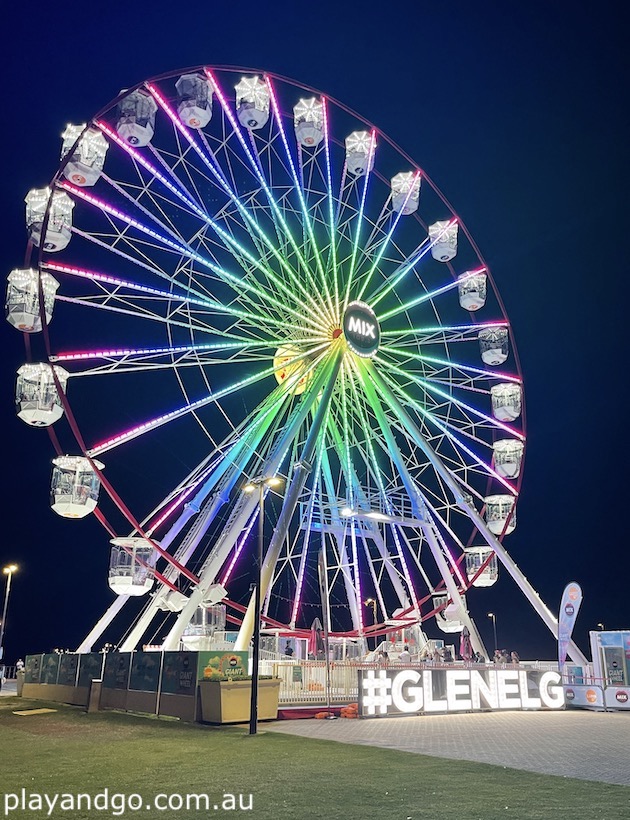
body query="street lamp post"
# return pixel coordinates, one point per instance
(8, 571)
(371, 602)
(494, 629)
(258, 484)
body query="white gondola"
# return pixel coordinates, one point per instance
(507, 401)
(501, 514)
(308, 118)
(443, 235)
(74, 486)
(252, 102)
(472, 290)
(173, 601)
(36, 398)
(195, 95)
(508, 455)
(494, 345)
(22, 304)
(447, 619)
(136, 118)
(405, 192)
(84, 166)
(131, 563)
(359, 153)
(476, 557)
(59, 227)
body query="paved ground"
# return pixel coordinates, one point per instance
(575, 743)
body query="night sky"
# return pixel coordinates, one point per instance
(517, 112)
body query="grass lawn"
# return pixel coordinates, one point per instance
(69, 752)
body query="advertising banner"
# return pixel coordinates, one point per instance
(116, 674)
(223, 664)
(145, 671)
(585, 696)
(179, 673)
(569, 607)
(68, 668)
(50, 667)
(90, 667)
(33, 668)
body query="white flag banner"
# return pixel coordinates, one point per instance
(571, 600)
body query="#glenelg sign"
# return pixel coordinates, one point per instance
(384, 692)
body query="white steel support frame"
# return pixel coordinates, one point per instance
(526, 588)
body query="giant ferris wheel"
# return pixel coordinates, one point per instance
(237, 269)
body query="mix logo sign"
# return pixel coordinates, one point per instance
(621, 696)
(411, 691)
(361, 329)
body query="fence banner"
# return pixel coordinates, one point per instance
(571, 600)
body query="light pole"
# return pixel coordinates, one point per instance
(371, 602)
(494, 629)
(259, 484)
(8, 571)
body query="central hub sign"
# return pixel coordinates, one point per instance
(361, 329)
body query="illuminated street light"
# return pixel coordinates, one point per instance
(8, 571)
(258, 483)
(494, 629)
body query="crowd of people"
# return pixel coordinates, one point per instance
(445, 656)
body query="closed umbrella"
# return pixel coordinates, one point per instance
(465, 645)
(316, 639)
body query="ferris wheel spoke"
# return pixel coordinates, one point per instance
(403, 269)
(239, 253)
(250, 222)
(385, 242)
(256, 169)
(306, 218)
(359, 221)
(244, 257)
(134, 299)
(417, 336)
(492, 422)
(453, 372)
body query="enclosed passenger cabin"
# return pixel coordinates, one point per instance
(501, 513)
(476, 557)
(359, 153)
(84, 166)
(252, 102)
(308, 119)
(136, 118)
(508, 455)
(37, 400)
(472, 290)
(74, 486)
(131, 564)
(494, 345)
(448, 618)
(195, 100)
(406, 192)
(59, 226)
(507, 401)
(22, 304)
(443, 236)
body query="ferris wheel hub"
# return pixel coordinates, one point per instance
(361, 329)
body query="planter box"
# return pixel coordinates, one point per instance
(228, 701)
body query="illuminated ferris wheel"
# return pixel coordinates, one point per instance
(240, 266)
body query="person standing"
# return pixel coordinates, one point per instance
(405, 655)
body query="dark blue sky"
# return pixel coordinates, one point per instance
(517, 112)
